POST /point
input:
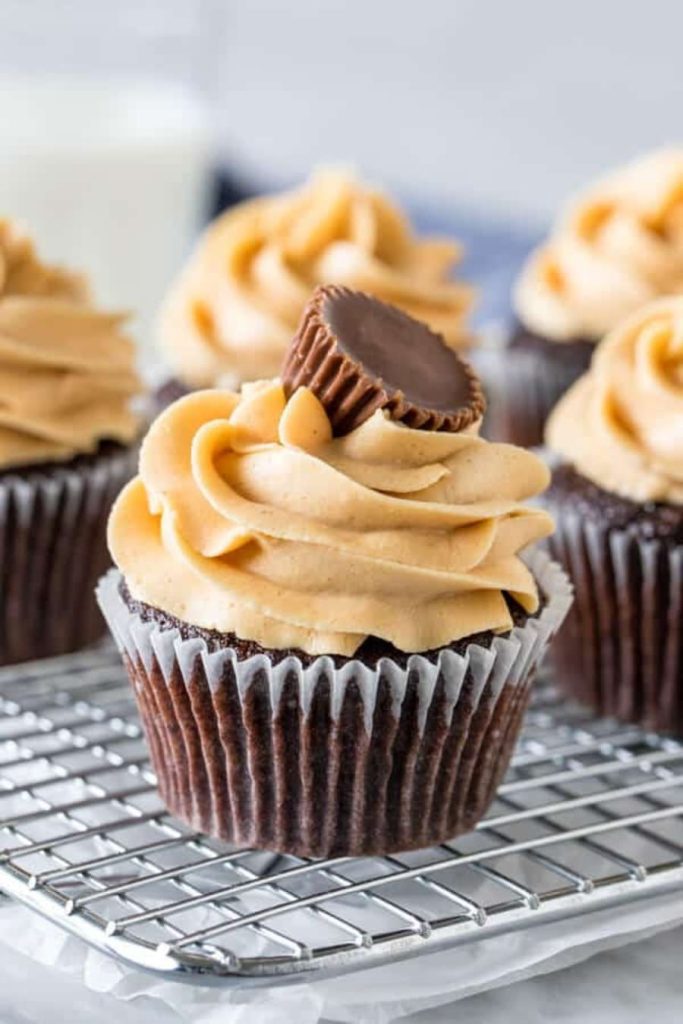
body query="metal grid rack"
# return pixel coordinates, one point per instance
(590, 815)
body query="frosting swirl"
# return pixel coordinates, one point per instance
(232, 313)
(66, 370)
(619, 246)
(621, 424)
(248, 517)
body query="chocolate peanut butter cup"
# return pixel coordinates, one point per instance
(357, 355)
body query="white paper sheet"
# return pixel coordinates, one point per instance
(42, 968)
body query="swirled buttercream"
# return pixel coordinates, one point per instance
(248, 517)
(621, 424)
(232, 313)
(619, 246)
(66, 370)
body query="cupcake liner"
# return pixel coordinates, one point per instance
(53, 549)
(349, 393)
(317, 760)
(523, 387)
(621, 649)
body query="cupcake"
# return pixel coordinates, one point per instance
(320, 600)
(230, 316)
(617, 494)
(617, 247)
(66, 380)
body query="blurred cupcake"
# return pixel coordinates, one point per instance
(230, 316)
(618, 499)
(617, 247)
(331, 635)
(66, 380)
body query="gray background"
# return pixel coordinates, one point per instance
(505, 104)
(502, 105)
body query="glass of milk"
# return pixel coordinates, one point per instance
(109, 175)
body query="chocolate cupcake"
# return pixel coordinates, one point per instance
(617, 247)
(66, 379)
(325, 618)
(230, 316)
(617, 495)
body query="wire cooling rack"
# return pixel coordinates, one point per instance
(590, 815)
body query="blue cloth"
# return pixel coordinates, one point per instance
(494, 253)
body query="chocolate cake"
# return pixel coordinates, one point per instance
(54, 549)
(649, 520)
(620, 649)
(308, 778)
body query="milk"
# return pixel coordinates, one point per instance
(109, 177)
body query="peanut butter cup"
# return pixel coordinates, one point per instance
(358, 354)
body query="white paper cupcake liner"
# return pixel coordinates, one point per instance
(53, 549)
(319, 760)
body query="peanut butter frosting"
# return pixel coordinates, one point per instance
(231, 315)
(619, 246)
(66, 370)
(621, 424)
(248, 517)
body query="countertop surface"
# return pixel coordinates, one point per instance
(624, 986)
